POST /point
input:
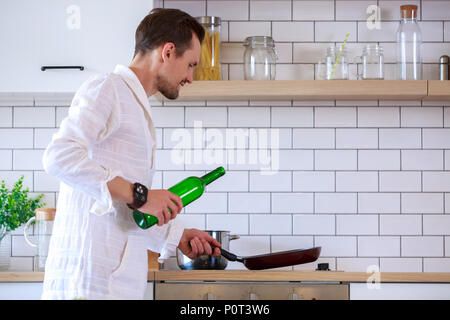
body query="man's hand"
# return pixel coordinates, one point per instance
(195, 242)
(158, 204)
(158, 201)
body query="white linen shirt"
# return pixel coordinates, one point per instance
(97, 251)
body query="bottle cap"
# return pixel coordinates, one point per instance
(408, 11)
(444, 60)
(209, 21)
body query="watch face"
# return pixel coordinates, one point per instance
(140, 194)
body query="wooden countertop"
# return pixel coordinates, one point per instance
(266, 275)
(306, 276)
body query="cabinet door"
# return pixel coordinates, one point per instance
(400, 291)
(149, 291)
(21, 291)
(94, 34)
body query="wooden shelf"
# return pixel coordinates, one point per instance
(306, 90)
(438, 90)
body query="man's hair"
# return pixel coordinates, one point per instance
(167, 25)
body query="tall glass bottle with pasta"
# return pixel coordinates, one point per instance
(209, 65)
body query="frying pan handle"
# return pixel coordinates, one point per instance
(228, 255)
(234, 237)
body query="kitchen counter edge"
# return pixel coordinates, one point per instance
(264, 275)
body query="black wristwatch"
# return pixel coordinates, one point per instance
(139, 196)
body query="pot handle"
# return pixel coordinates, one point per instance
(25, 232)
(234, 237)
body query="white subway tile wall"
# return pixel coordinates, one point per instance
(368, 181)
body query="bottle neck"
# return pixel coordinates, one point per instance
(409, 20)
(213, 175)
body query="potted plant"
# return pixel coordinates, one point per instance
(16, 208)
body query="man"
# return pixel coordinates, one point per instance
(103, 154)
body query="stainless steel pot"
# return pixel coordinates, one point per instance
(207, 262)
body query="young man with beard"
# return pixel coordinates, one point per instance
(103, 155)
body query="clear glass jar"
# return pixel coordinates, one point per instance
(208, 67)
(259, 58)
(409, 42)
(372, 61)
(335, 64)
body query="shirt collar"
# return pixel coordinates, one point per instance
(132, 80)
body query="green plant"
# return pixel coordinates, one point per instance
(16, 207)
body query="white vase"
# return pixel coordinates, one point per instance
(5, 250)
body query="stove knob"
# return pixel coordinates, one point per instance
(323, 267)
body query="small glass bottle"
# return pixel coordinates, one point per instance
(409, 42)
(259, 58)
(209, 64)
(188, 190)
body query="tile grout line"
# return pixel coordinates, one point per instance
(292, 10)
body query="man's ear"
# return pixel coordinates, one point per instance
(168, 51)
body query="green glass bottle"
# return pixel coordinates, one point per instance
(188, 190)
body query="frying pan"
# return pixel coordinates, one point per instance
(275, 260)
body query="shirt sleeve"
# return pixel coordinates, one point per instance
(171, 233)
(93, 116)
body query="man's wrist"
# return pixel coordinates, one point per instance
(130, 193)
(121, 190)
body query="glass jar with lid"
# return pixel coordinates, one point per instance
(259, 58)
(209, 64)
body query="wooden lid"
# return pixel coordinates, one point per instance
(408, 11)
(45, 214)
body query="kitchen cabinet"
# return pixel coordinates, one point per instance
(33, 291)
(95, 35)
(149, 291)
(20, 291)
(400, 291)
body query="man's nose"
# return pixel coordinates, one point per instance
(189, 78)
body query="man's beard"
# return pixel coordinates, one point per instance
(166, 89)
